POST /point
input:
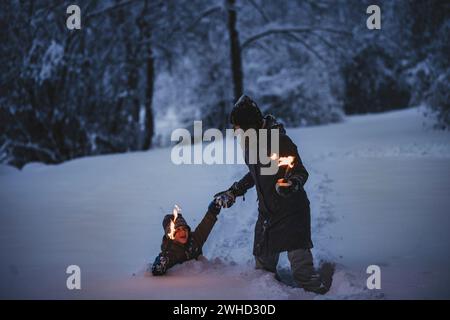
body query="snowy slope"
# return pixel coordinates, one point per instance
(378, 185)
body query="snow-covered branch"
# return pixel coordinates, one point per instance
(306, 45)
(3, 153)
(260, 10)
(285, 30)
(36, 148)
(110, 8)
(203, 15)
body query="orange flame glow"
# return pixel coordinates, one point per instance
(283, 161)
(286, 161)
(175, 212)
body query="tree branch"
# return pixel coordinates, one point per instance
(36, 148)
(204, 14)
(307, 46)
(260, 10)
(110, 8)
(338, 47)
(191, 26)
(284, 30)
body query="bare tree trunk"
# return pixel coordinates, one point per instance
(146, 32)
(149, 121)
(235, 51)
(133, 82)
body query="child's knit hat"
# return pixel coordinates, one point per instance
(179, 222)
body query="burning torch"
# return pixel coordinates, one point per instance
(175, 212)
(284, 161)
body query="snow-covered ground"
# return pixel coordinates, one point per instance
(379, 187)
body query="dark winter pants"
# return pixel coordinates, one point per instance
(302, 266)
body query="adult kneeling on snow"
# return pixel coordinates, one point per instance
(284, 214)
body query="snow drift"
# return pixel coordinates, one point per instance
(378, 186)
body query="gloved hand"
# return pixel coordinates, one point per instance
(228, 197)
(286, 187)
(225, 198)
(159, 267)
(215, 206)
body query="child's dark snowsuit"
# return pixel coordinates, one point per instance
(173, 252)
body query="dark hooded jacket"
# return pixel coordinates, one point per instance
(283, 223)
(173, 252)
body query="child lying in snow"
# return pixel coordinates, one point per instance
(186, 245)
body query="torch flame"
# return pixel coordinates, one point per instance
(175, 212)
(283, 161)
(286, 161)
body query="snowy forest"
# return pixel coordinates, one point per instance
(88, 177)
(138, 69)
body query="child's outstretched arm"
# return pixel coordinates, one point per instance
(204, 228)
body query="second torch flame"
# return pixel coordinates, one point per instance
(175, 212)
(284, 161)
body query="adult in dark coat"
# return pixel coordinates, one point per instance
(284, 222)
